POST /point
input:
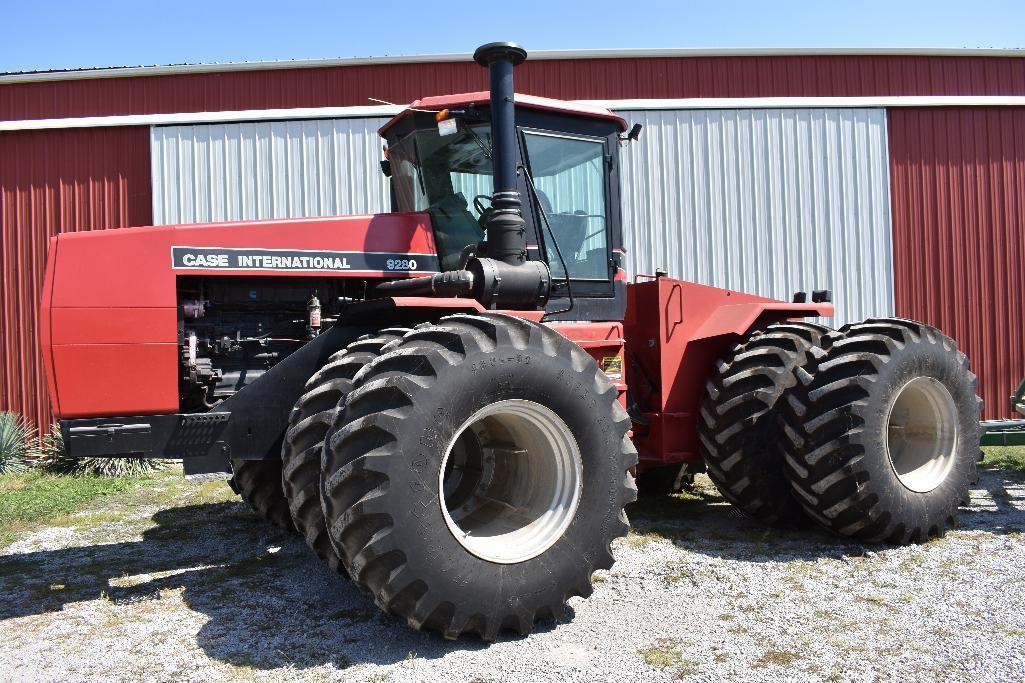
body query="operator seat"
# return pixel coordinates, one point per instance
(454, 228)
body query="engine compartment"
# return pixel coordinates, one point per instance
(231, 330)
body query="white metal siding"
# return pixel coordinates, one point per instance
(766, 201)
(278, 169)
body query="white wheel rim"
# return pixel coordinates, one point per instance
(510, 481)
(922, 434)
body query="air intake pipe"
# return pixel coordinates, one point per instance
(502, 276)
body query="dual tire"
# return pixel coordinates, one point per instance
(286, 492)
(739, 429)
(472, 473)
(258, 482)
(312, 417)
(871, 431)
(881, 432)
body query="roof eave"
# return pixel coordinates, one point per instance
(536, 55)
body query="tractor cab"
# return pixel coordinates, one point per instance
(440, 159)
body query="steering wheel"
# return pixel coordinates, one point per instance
(484, 212)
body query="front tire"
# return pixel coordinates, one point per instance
(259, 484)
(478, 475)
(308, 424)
(882, 431)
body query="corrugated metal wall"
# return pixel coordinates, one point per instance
(764, 201)
(959, 234)
(280, 169)
(50, 182)
(615, 78)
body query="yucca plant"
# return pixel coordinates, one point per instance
(121, 467)
(52, 456)
(55, 459)
(17, 435)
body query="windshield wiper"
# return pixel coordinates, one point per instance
(480, 143)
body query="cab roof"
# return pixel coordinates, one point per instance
(530, 101)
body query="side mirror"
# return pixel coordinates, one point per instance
(635, 132)
(386, 167)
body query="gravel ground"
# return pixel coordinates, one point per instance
(181, 582)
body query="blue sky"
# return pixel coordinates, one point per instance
(43, 35)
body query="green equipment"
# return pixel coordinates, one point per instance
(1007, 432)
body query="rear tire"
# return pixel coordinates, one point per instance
(478, 475)
(259, 484)
(308, 424)
(882, 431)
(739, 429)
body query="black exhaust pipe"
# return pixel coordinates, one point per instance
(506, 229)
(505, 278)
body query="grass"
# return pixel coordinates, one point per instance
(31, 498)
(1005, 457)
(776, 658)
(665, 654)
(661, 654)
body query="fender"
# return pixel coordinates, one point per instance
(675, 332)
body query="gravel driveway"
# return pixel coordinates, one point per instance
(182, 582)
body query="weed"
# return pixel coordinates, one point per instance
(662, 654)
(665, 654)
(776, 658)
(641, 540)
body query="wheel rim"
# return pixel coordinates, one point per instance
(510, 481)
(922, 433)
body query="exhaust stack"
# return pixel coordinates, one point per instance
(501, 277)
(506, 230)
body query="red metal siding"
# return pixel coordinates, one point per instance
(50, 182)
(618, 78)
(957, 174)
(958, 178)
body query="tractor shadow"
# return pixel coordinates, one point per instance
(702, 521)
(269, 603)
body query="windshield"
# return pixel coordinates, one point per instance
(444, 175)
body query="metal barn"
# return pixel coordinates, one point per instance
(894, 178)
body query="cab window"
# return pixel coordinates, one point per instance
(450, 177)
(569, 175)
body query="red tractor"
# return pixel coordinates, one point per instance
(451, 402)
